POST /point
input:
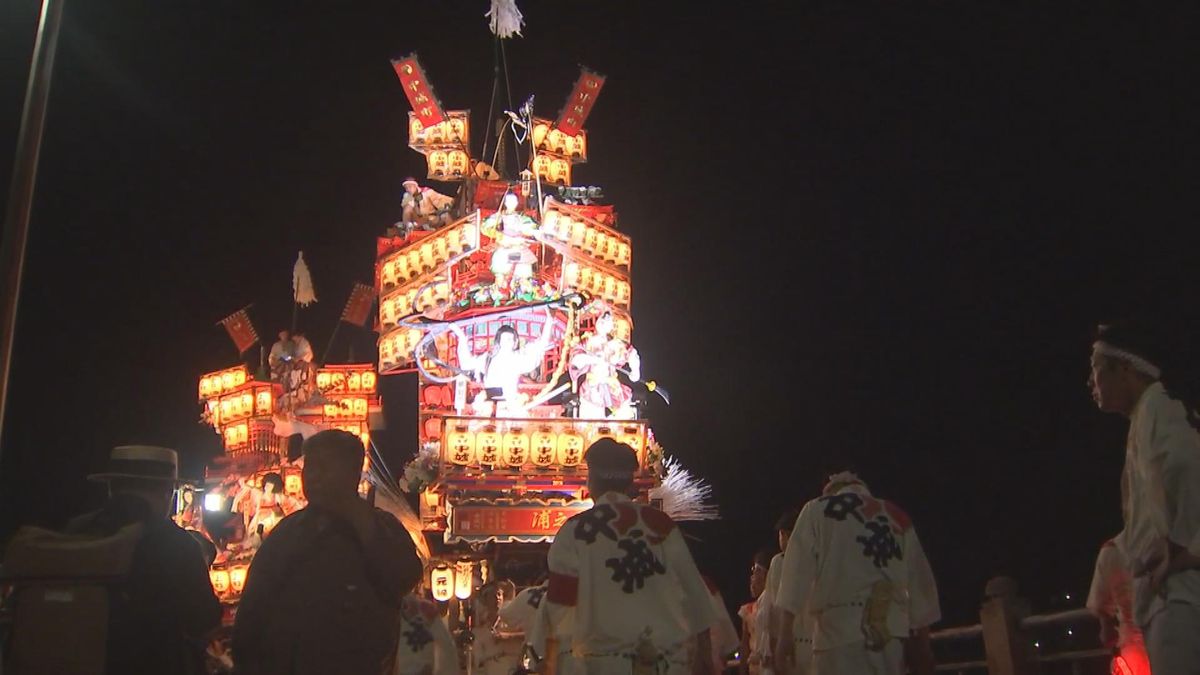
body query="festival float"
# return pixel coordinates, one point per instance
(511, 302)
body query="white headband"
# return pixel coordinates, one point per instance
(1138, 363)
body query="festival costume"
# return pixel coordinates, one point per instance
(621, 573)
(771, 618)
(426, 646)
(1111, 595)
(855, 564)
(1162, 502)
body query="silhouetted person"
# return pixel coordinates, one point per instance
(166, 609)
(323, 594)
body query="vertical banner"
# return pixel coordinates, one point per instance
(240, 330)
(418, 90)
(579, 104)
(358, 307)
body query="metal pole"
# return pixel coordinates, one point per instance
(20, 196)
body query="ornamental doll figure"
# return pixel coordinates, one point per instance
(622, 578)
(594, 363)
(502, 366)
(424, 207)
(513, 233)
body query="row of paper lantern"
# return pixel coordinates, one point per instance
(398, 305)
(350, 381)
(452, 581)
(515, 448)
(600, 284)
(552, 170)
(396, 348)
(454, 130)
(602, 245)
(223, 381)
(347, 408)
(229, 581)
(548, 139)
(426, 255)
(233, 407)
(447, 165)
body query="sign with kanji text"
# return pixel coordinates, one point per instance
(579, 104)
(524, 522)
(418, 90)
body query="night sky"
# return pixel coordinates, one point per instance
(876, 233)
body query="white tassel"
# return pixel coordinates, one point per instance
(389, 498)
(506, 20)
(684, 496)
(302, 284)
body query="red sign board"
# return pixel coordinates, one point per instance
(418, 90)
(503, 522)
(579, 105)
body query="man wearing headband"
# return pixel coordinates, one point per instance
(621, 573)
(1160, 492)
(854, 563)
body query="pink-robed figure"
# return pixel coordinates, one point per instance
(594, 363)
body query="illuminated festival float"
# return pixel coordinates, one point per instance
(511, 301)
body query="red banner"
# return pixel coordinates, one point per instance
(579, 105)
(418, 90)
(240, 330)
(477, 522)
(358, 307)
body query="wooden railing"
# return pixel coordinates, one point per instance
(1012, 639)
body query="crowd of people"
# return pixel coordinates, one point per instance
(336, 587)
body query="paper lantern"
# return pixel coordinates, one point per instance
(461, 445)
(441, 583)
(293, 484)
(544, 445)
(262, 402)
(237, 577)
(464, 579)
(570, 448)
(516, 448)
(487, 446)
(219, 580)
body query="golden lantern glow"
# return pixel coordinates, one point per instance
(460, 444)
(516, 448)
(455, 129)
(545, 446)
(570, 448)
(293, 484)
(464, 579)
(263, 402)
(441, 582)
(219, 580)
(347, 407)
(237, 577)
(487, 446)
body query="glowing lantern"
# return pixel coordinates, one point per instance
(457, 163)
(440, 250)
(610, 287)
(571, 274)
(550, 223)
(415, 129)
(368, 381)
(262, 402)
(570, 448)
(237, 577)
(540, 131)
(441, 583)
(220, 580)
(464, 579)
(622, 256)
(461, 445)
(545, 443)
(516, 448)
(487, 444)
(293, 484)
(437, 164)
(454, 244)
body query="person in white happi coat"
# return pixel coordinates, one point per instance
(1110, 600)
(855, 565)
(527, 613)
(623, 577)
(425, 646)
(723, 637)
(801, 631)
(1160, 491)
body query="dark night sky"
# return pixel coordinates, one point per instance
(872, 232)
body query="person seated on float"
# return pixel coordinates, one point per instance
(423, 207)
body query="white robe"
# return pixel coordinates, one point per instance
(1111, 595)
(845, 547)
(622, 575)
(425, 646)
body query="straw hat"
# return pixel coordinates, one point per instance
(146, 462)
